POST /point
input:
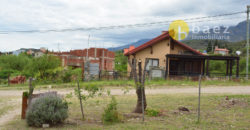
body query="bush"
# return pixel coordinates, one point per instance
(152, 112)
(48, 109)
(111, 114)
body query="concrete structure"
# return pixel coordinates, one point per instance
(76, 58)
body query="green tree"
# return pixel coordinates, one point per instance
(44, 66)
(120, 61)
(209, 47)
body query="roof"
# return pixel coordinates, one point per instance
(221, 49)
(155, 40)
(203, 57)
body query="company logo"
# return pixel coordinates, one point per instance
(178, 29)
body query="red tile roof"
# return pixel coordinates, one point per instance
(221, 49)
(161, 37)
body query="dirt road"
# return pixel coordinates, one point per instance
(116, 91)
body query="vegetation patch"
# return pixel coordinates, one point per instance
(49, 109)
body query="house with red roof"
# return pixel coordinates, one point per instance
(223, 51)
(176, 58)
(156, 50)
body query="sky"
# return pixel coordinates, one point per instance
(21, 15)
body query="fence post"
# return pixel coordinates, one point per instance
(199, 98)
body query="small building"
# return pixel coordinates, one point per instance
(76, 58)
(222, 51)
(174, 57)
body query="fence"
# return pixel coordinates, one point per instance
(116, 75)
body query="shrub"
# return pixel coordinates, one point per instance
(152, 112)
(49, 109)
(111, 114)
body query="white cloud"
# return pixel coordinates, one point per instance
(59, 14)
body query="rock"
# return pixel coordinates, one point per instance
(227, 98)
(183, 109)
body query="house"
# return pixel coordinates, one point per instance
(223, 51)
(31, 51)
(174, 57)
(76, 58)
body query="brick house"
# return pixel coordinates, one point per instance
(76, 58)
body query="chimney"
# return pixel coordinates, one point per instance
(131, 48)
(125, 50)
(164, 32)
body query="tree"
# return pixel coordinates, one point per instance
(120, 61)
(139, 83)
(209, 47)
(43, 67)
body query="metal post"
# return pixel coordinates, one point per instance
(248, 7)
(199, 98)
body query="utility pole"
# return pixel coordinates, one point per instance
(248, 7)
(88, 48)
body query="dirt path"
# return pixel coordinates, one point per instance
(11, 114)
(117, 91)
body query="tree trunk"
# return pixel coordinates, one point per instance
(140, 91)
(138, 108)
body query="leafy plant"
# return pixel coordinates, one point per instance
(152, 112)
(48, 109)
(26, 94)
(111, 114)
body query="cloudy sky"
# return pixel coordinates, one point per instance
(23, 15)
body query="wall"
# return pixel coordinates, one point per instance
(160, 50)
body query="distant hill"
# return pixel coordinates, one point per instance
(236, 33)
(136, 44)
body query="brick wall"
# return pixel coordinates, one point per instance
(75, 58)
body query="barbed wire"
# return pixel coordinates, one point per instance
(121, 26)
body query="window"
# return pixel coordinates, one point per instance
(152, 63)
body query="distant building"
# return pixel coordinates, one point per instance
(31, 51)
(76, 58)
(223, 51)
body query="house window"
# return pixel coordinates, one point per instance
(152, 63)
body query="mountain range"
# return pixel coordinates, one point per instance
(236, 33)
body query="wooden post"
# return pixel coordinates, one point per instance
(203, 69)
(227, 68)
(207, 67)
(31, 89)
(166, 72)
(237, 68)
(231, 68)
(24, 105)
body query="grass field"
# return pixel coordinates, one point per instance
(216, 113)
(130, 83)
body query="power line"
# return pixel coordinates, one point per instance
(119, 26)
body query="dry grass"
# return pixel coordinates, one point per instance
(215, 113)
